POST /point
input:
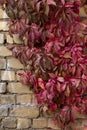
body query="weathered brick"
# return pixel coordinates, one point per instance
(77, 125)
(9, 122)
(3, 26)
(3, 111)
(8, 75)
(4, 51)
(14, 63)
(29, 112)
(17, 75)
(18, 88)
(33, 98)
(82, 12)
(40, 123)
(2, 37)
(2, 87)
(3, 14)
(9, 39)
(23, 123)
(7, 99)
(2, 63)
(16, 39)
(52, 125)
(23, 99)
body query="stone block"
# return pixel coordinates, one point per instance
(7, 75)
(2, 88)
(29, 112)
(14, 63)
(9, 122)
(2, 63)
(40, 123)
(23, 123)
(23, 99)
(18, 88)
(2, 37)
(4, 51)
(3, 26)
(7, 99)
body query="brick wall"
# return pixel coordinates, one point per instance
(17, 108)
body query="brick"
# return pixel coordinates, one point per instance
(9, 39)
(33, 98)
(4, 51)
(16, 39)
(8, 75)
(17, 76)
(3, 26)
(3, 14)
(3, 111)
(40, 123)
(9, 122)
(7, 99)
(82, 12)
(2, 63)
(14, 63)
(23, 123)
(23, 99)
(2, 37)
(52, 125)
(18, 88)
(29, 112)
(2, 87)
(77, 125)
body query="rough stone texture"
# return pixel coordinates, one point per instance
(7, 99)
(77, 125)
(82, 12)
(17, 74)
(8, 75)
(18, 88)
(2, 87)
(3, 111)
(2, 37)
(3, 14)
(23, 123)
(16, 39)
(2, 63)
(9, 122)
(14, 63)
(40, 123)
(52, 125)
(9, 39)
(29, 112)
(24, 99)
(3, 26)
(4, 51)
